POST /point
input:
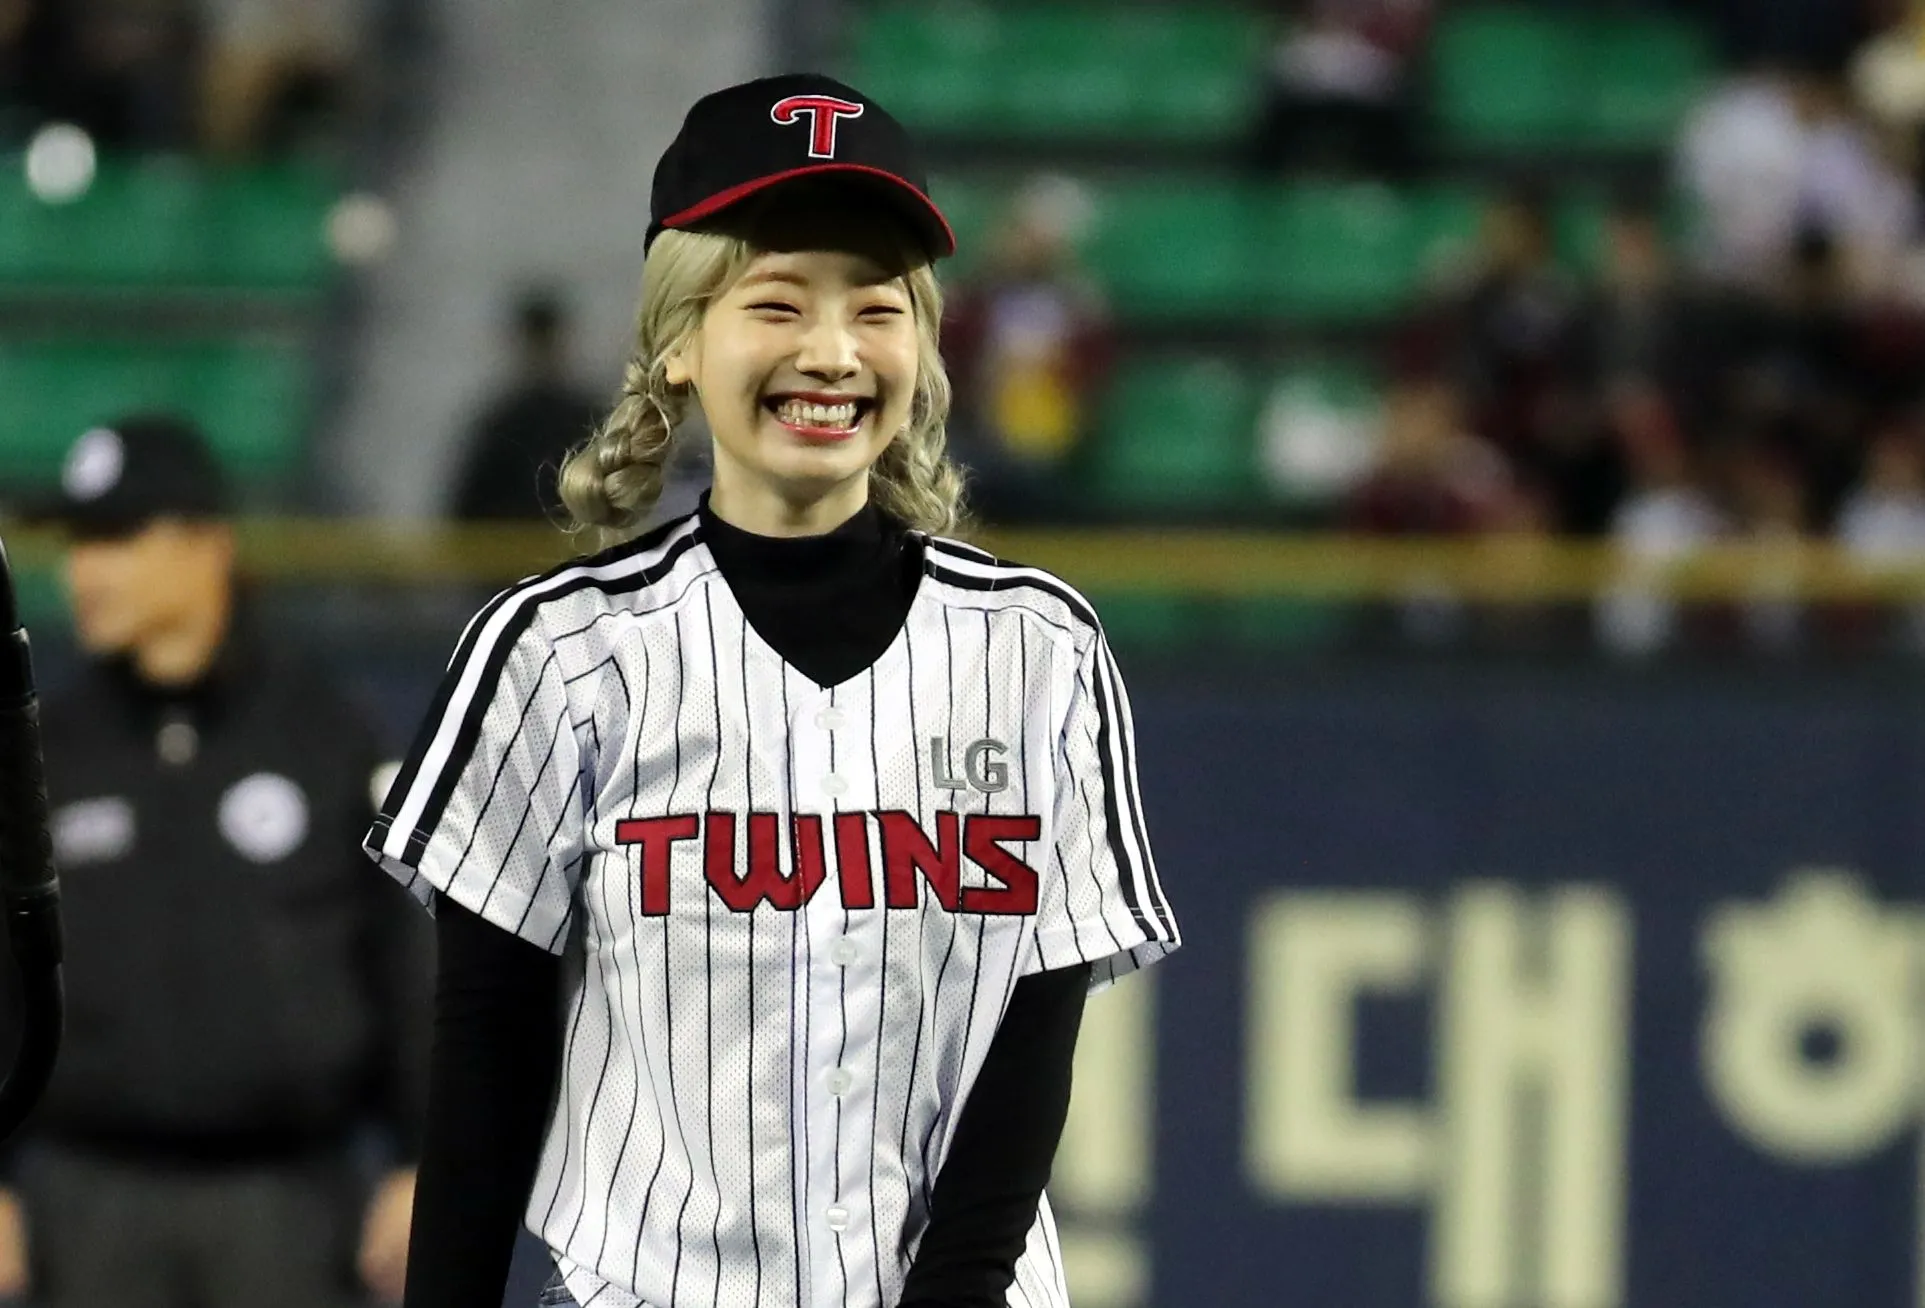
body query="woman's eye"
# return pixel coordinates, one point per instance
(882, 311)
(773, 306)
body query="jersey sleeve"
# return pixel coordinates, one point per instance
(1101, 902)
(488, 807)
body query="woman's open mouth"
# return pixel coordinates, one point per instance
(822, 423)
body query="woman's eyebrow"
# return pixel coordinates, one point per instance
(775, 275)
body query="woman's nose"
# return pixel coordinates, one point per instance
(828, 352)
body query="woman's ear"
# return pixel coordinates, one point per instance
(680, 364)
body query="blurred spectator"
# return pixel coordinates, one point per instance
(1433, 475)
(1882, 523)
(1516, 334)
(1888, 73)
(1637, 313)
(243, 999)
(1028, 343)
(1797, 368)
(1339, 86)
(121, 69)
(1819, 33)
(515, 446)
(1883, 520)
(270, 60)
(1667, 516)
(1771, 517)
(1771, 157)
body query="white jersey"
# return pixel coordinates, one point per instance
(797, 912)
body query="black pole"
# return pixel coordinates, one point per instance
(29, 887)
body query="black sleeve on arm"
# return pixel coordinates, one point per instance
(492, 1068)
(986, 1194)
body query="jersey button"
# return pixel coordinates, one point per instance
(837, 1218)
(829, 719)
(834, 785)
(842, 951)
(841, 1082)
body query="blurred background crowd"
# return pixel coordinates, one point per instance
(1648, 273)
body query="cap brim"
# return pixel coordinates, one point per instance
(914, 205)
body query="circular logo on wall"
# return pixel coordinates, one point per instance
(264, 817)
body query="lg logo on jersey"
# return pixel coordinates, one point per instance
(980, 770)
(909, 857)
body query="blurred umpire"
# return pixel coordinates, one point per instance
(238, 986)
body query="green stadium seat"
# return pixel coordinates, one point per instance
(170, 224)
(1175, 248)
(1338, 252)
(932, 64)
(1646, 71)
(1445, 224)
(971, 205)
(253, 399)
(1066, 71)
(269, 226)
(1197, 77)
(1176, 435)
(1509, 78)
(1061, 70)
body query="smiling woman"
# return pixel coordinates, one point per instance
(834, 818)
(775, 321)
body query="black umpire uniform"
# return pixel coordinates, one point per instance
(242, 996)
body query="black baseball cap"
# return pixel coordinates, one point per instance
(119, 477)
(741, 141)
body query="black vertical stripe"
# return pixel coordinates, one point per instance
(798, 1057)
(582, 998)
(1126, 735)
(668, 993)
(494, 783)
(808, 1020)
(708, 982)
(619, 988)
(842, 1008)
(922, 920)
(1050, 1247)
(1089, 863)
(882, 990)
(982, 920)
(755, 965)
(568, 1055)
(1107, 758)
(1022, 805)
(955, 925)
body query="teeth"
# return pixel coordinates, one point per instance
(801, 414)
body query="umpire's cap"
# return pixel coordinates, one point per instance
(118, 478)
(745, 139)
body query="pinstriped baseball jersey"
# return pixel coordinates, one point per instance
(795, 914)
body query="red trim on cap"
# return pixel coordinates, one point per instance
(723, 199)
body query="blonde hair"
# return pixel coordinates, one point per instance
(612, 482)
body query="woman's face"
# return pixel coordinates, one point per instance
(805, 369)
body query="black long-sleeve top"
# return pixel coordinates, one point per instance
(829, 605)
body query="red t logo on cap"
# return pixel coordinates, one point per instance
(823, 110)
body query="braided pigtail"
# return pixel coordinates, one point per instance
(611, 483)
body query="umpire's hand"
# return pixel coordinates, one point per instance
(13, 1247)
(384, 1236)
